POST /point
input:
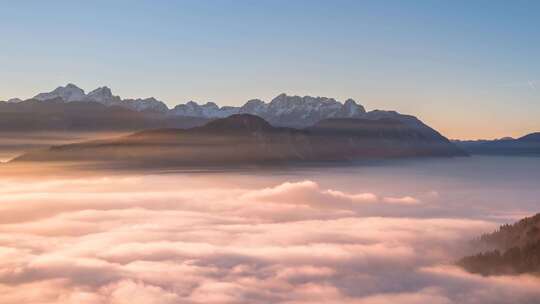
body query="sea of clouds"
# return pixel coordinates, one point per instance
(161, 239)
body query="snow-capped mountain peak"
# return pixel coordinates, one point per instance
(253, 106)
(300, 111)
(190, 108)
(101, 92)
(283, 110)
(352, 108)
(14, 100)
(145, 104)
(68, 93)
(103, 95)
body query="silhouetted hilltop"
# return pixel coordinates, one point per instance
(526, 145)
(533, 137)
(388, 128)
(238, 123)
(248, 139)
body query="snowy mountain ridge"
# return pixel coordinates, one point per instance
(283, 110)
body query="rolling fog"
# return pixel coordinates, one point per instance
(16, 143)
(374, 233)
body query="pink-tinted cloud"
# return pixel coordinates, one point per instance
(162, 239)
(406, 200)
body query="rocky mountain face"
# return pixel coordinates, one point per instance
(68, 93)
(296, 111)
(513, 249)
(102, 95)
(526, 145)
(207, 110)
(244, 139)
(77, 116)
(283, 110)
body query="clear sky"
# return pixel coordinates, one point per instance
(471, 69)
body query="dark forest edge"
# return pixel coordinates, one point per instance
(512, 249)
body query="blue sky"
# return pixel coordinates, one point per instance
(468, 68)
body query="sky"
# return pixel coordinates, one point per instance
(470, 69)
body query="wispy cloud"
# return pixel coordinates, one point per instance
(527, 84)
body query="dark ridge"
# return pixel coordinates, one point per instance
(389, 128)
(236, 123)
(533, 137)
(248, 139)
(528, 145)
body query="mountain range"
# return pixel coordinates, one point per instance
(525, 145)
(56, 115)
(283, 110)
(286, 129)
(102, 95)
(245, 139)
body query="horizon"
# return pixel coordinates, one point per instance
(456, 65)
(170, 105)
(347, 151)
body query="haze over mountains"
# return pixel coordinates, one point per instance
(283, 110)
(70, 108)
(244, 139)
(525, 145)
(348, 127)
(286, 129)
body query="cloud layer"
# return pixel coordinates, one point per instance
(162, 239)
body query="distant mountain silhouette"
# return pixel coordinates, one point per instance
(526, 145)
(57, 115)
(248, 139)
(533, 138)
(514, 249)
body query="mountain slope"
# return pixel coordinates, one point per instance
(248, 139)
(532, 138)
(386, 137)
(515, 249)
(68, 93)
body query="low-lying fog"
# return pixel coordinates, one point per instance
(13, 144)
(375, 233)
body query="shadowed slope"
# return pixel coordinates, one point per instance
(248, 139)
